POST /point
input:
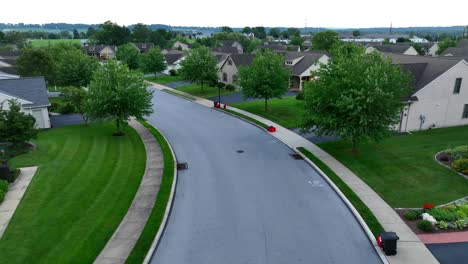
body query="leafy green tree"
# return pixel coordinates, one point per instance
(420, 49)
(153, 61)
(356, 96)
(325, 40)
(74, 68)
(226, 29)
(295, 40)
(285, 34)
(141, 33)
(246, 30)
(2, 36)
(112, 34)
(15, 126)
(90, 32)
(294, 32)
(117, 93)
(76, 34)
(76, 97)
(445, 44)
(259, 32)
(35, 62)
(356, 33)
(266, 78)
(403, 40)
(386, 41)
(161, 38)
(130, 55)
(275, 32)
(199, 66)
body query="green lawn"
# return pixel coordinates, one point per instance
(402, 169)
(248, 118)
(85, 183)
(207, 92)
(363, 210)
(163, 79)
(285, 111)
(36, 43)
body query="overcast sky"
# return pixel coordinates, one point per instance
(240, 13)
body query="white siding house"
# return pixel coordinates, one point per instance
(31, 93)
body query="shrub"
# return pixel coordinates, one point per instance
(460, 152)
(220, 85)
(3, 186)
(230, 87)
(461, 215)
(413, 215)
(442, 225)
(460, 224)
(461, 165)
(2, 196)
(300, 95)
(428, 206)
(425, 226)
(446, 215)
(172, 72)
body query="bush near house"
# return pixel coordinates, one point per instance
(3, 189)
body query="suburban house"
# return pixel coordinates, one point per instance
(226, 49)
(220, 58)
(401, 48)
(233, 44)
(439, 95)
(143, 47)
(229, 70)
(101, 51)
(173, 59)
(380, 38)
(8, 64)
(31, 93)
(181, 46)
(460, 51)
(431, 48)
(302, 64)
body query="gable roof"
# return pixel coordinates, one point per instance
(308, 59)
(32, 89)
(220, 57)
(393, 48)
(423, 69)
(228, 43)
(98, 48)
(226, 49)
(463, 44)
(245, 59)
(172, 57)
(144, 47)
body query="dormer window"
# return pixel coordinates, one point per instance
(289, 62)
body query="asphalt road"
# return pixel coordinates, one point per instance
(258, 206)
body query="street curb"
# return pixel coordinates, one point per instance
(241, 118)
(163, 225)
(348, 204)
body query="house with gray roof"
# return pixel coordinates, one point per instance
(8, 64)
(401, 48)
(173, 59)
(143, 47)
(101, 51)
(431, 48)
(232, 44)
(460, 51)
(439, 92)
(229, 70)
(31, 93)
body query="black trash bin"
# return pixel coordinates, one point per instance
(389, 243)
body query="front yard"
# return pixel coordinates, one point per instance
(285, 111)
(402, 169)
(85, 183)
(163, 79)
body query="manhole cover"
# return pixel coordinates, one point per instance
(296, 156)
(182, 166)
(240, 151)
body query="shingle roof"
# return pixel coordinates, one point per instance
(171, 58)
(97, 48)
(463, 44)
(144, 47)
(309, 59)
(242, 59)
(394, 48)
(32, 89)
(220, 56)
(226, 49)
(228, 43)
(423, 69)
(456, 52)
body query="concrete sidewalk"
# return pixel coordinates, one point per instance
(410, 247)
(123, 240)
(14, 195)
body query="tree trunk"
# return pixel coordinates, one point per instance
(266, 104)
(117, 122)
(354, 149)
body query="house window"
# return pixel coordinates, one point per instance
(224, 77)
(458, 82)
(465, 111)
(229, 62)
(288, 62)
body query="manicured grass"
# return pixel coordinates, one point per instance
(255, 121)
(363, 210)
(83, 188)
(163, 79)
(154, 222)
(402, 169)
(36, 43)
(178, 94)
(285, 111)
(207, 92)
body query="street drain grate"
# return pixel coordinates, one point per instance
(240, 151)
(182, 166)
(296, 156)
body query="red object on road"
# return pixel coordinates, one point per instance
(225, 106)
(271, 129)
(379, 241)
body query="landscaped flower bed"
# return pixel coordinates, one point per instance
(452, 217)
(456, 158)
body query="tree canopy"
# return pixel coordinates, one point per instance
(16, 126)
(153, 61)
(325, 40)
(266, 78)
(117, 93)
(199, 66)
(74, 68)
(445, 44)
(129, 54)
(110, 33)
(35, 62)
(356, 96)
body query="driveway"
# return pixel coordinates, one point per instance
(451, 253)
(237, 98)
(243, 199)
(65, 120)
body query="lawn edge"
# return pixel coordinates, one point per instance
(244, 118)
(179, 95)
(136, 255)
(371, 234)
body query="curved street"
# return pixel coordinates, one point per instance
(243, 199)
